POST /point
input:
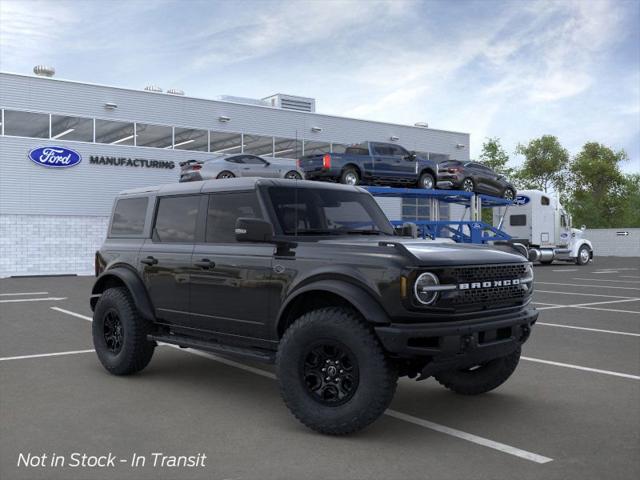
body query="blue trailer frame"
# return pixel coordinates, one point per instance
(461, 231)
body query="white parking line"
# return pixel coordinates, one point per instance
(41, 355)
(610, 310)
(629, 276)
(586, 305)
(23, 293)
(580, 367)
(607, 271)
(47, 299)
(587, 286)
(533, 457)
(585, 294)
(615, 332)
(605, 280)
(567, 270)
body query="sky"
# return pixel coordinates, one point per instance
(509, 69)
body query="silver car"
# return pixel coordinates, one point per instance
(242, 165)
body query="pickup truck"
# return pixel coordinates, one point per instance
(372, 163)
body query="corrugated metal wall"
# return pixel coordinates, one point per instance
(613, 242)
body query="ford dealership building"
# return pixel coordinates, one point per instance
(66, 149)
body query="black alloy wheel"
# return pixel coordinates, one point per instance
(509, 194)
(113, 331)
(330, 373)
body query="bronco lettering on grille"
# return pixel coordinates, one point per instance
(488, 284)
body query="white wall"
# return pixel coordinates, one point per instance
(606, 242)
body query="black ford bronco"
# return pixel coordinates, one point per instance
(312, 277)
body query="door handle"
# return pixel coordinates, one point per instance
(149, 260)
(205, 263)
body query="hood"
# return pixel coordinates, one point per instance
(429, 252)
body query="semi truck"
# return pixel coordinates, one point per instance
(538, 221)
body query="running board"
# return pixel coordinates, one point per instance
(214, 347)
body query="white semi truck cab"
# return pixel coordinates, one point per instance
(538, 221)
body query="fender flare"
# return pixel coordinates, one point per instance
(357, 296)
(134, 284)
(576, 247)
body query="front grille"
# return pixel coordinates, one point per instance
(487, 297)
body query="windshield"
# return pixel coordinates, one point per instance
(320, 211)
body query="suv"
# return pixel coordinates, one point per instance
(312, 277)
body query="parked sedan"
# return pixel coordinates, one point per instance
(474, 177)
(242, 165)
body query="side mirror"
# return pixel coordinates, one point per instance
(253, 230)
(411, 156)
(266, 164)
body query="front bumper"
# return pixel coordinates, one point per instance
(452, 345)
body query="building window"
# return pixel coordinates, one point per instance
(316, 148)
(517, 220)
(128, 216)
(114, 133)
(415, 209)
(71, 128)
(191, 139)
(26, 124)
(287, 148)
(258, 145)
(176, 219)
(225, 143)
(156, 136)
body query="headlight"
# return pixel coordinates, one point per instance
(425, 288)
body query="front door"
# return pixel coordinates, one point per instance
(232, 292)
(253, 166)
(166, 257)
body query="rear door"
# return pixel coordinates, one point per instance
(231, 293)
(383, 160)
(166, 257)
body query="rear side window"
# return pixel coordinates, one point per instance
(176, 219)
(224, 209)
(518, 220)
(128, 216)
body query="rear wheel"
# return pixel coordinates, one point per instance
(120, 333)
(480, 378)
(225, 174)
(468, 185)
(350, 177)
(333, 374)
(293, 175)
(584, 255)
(426, 181)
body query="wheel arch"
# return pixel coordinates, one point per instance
(326, 293)
(430, 171)
(576, 247)
(121, 276)
(354, 166)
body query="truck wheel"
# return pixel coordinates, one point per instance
(583, 255)
(333, 374)
(349, 177)
(120, 333)
(426, 181)
(481, 378)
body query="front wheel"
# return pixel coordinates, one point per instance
(426, 181)
(480, 378)
(584, 255)
(333, 374)
(120, 333)
(468, 185)
(509, 194)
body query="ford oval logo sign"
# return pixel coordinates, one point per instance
(521, 200)
(55, 157)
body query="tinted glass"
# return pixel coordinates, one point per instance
(382, 149)
(128, 216)
(258, 145)
(319, 211)
(191, 139)
(398, 151)
(176, 219)
(239, 159)
(72, 128)
(157, 136)
(224, 210)
(287, 147)
(225, 142)
(252, 160)
(544, 201)
(26, 124)
(518, 220)
(115, 133)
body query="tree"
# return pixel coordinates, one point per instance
(599, 194)
(495, 157)
(545, 164)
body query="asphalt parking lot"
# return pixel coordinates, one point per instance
(571, 410)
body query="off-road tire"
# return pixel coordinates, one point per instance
(136, 351)
(484, 379)
(348, 173)
(377, 376)
(225, 174)
(424, 178)
(579, 258)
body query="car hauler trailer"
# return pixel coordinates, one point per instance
(540, 222)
